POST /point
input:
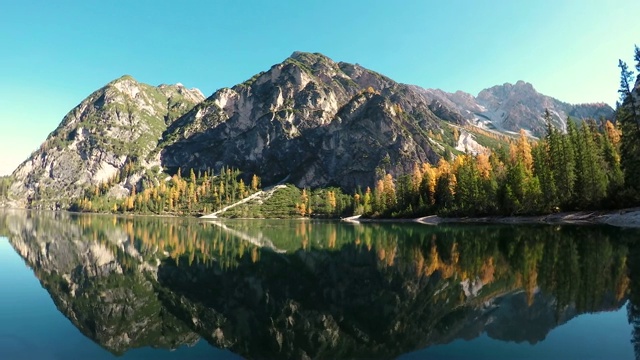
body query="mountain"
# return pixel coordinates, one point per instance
(308, 120)
(120, 122)
(511, 107)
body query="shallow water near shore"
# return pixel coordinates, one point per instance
(101, 287)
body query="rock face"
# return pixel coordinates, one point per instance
(310, 120)
(121, 121)
(511, 107)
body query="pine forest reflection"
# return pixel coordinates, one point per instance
(295, 289)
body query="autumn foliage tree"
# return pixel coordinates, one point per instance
(577, 170)
(200, 192)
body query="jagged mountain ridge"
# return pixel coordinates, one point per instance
(511, 107)
(310, 120)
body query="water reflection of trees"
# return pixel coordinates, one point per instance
(584, 266)
(188, 241)
(633, 307)
(580, 265)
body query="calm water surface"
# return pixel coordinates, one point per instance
(105, 287)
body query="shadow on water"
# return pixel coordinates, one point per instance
(297, 289)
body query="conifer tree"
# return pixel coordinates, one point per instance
(389, 190)
(444, 191)
(428, 184)
(523, 149)
(255, 182)
(468, 192)
(562, 161)
(367, 201)
(595, 182)
(629, 119)
(515, 188)
(543, 171)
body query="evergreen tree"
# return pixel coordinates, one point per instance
(629, 120)
(468, 191)
(405, 194)
(515, 189)
(577, 138)
(543, 171)
(596, 182)
(444, 192)
(562, 159)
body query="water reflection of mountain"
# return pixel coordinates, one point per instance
(338, 291)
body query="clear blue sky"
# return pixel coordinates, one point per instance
(55, 53)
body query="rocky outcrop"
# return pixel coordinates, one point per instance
(121, 122)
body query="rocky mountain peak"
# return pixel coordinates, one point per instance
(302, 92)
(498, 93)
(511, 107)
(299, 119)
(193, 95)
(119, 122)
(310, 59)
(123, 81)
(522, 83)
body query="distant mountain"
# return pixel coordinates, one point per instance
(511, 107)
(309, 120)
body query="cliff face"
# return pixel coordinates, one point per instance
(310, 119)
(120, 122)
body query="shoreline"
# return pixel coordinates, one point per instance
(625, 218)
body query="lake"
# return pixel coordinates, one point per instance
(104, 287)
